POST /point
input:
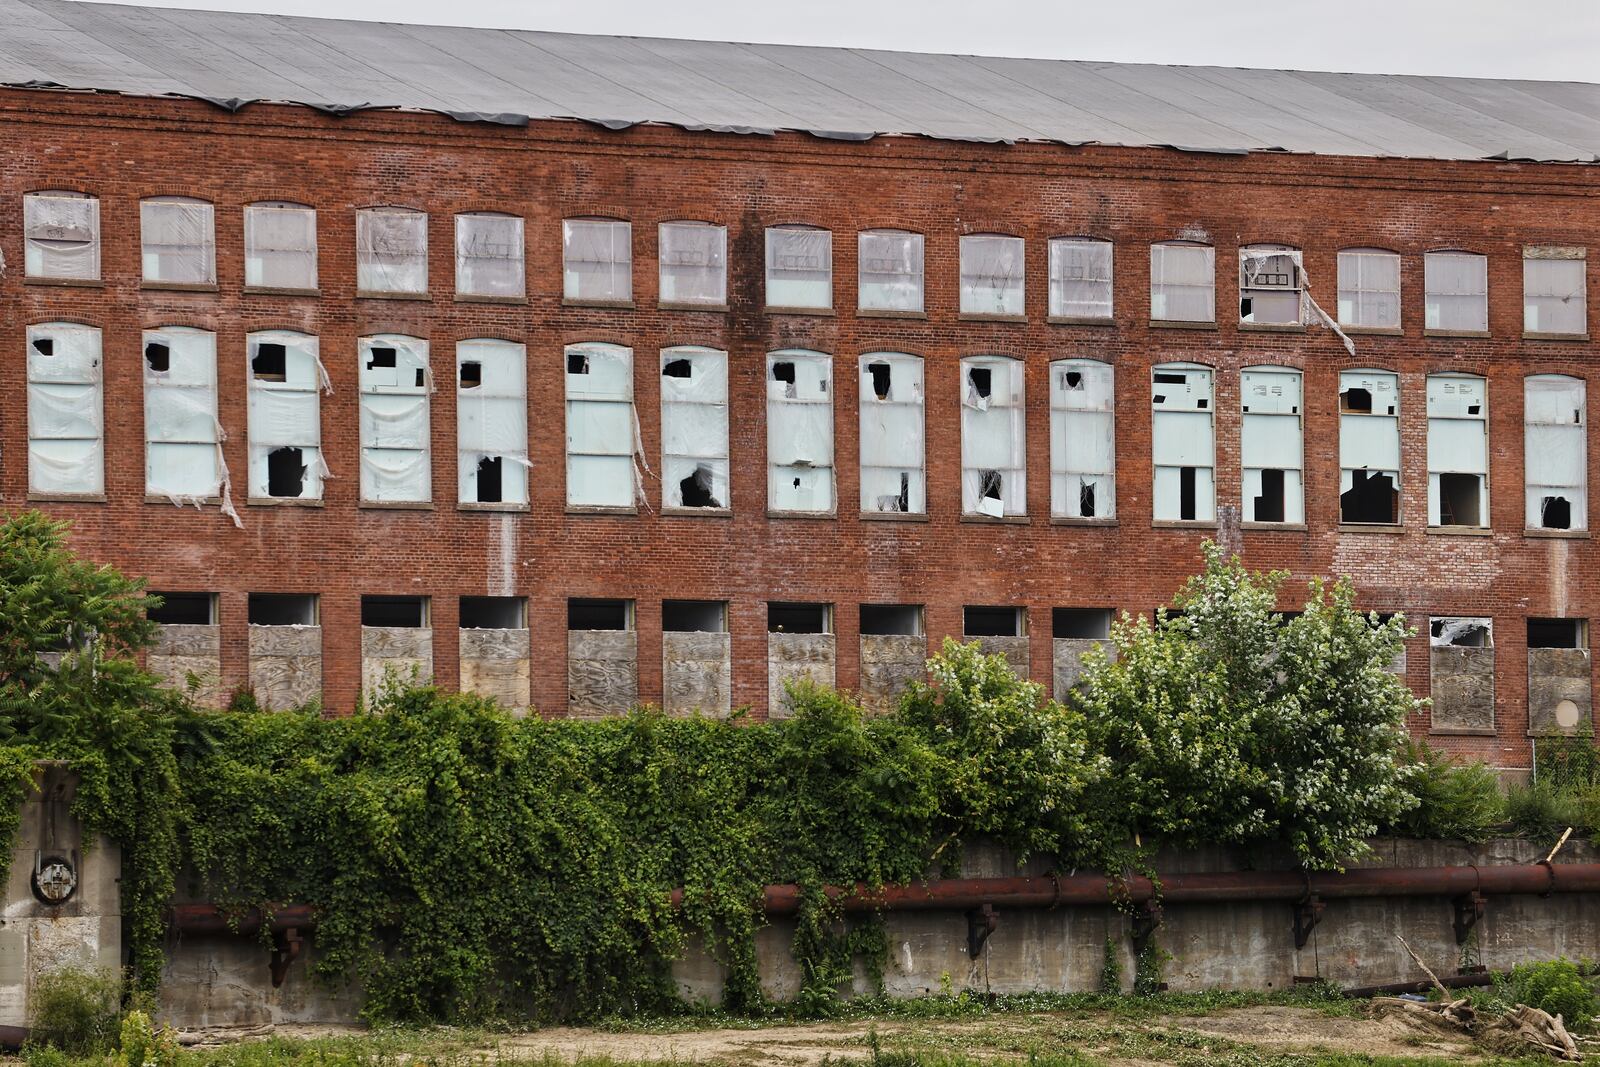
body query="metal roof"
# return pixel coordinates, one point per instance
(509, 76)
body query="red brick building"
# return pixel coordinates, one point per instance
(665, 408)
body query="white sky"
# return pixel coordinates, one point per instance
(1541, 39)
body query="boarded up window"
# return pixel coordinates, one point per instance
(391, 250)
(491, 422)
(489, 253)
(1458, 451)
(799, 267)
(61, 236)
(1457, 286)
(65, 421)
(1369, 447)
(694, 428)
(1270, 449)
(799, 431)
(1182, 442)
(280, 246)
(1083, 445)
(182, 457)
(1555, 452)
(597, 260)
(892, 421)
(1182, 282)
(395, 439)
(993, 269)
(601, 432)
(993, 437)
(694, 264)
(178, 239)
(286, 380)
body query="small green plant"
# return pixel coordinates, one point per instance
(1556, 986)
(76, 1010)
(1111, 969)
(1148, 966)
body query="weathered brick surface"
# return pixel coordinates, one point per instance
(122, 149)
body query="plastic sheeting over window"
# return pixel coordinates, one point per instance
(1080, 278)
(1369, 446)
(799, 431)
(694, 428)
(280, 246)
(892, 425)
(993, 437)
(179, 241)
(489, 255)
(492, 422)
(1271, 448)
(1182, 442)
(799, 267)
(1554, 292)
(992, 273)
(1457, 291)
(1555, 452)
(61, 236)
(597, 260)
(889, 270)
(1083, 447)
(66, 454)
(395, 439)
(693, 263)
(391, 250)
(1369, 288)
(602, 431)
(183, 438)
(286, 382)
(1270, 284)
(1183, 282)
(1458, 451)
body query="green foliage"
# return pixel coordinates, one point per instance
(1454, 800)
(75, 1011)
(1556, 986)
(142, 1046)
(1148, 966)
(1111, 968)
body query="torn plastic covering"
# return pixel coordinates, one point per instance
(1555, 450)
(179, 242)
(280, 245)
(603, 442)
(1270, 438)
(65, 420)
(1182, 437)
(62, 236)
(1080, 278)
(1083, 457)
(799, 267)
(492, 418)
(893, 450)
(1255, 263)
(391, 250)
(287, 413)
(395, 436)
(1472, 633)
(1369, 288)
(694, 263)
(1182, 282)
(184, 461)
(993, 437)
(992, 269)
(1553, 295)
(1457, 291)
(489, 255)
(694, 427)
(1270, 285)
(889, 270)
(800, 431)
(597, 259)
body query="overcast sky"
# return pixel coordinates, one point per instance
(1543, 39)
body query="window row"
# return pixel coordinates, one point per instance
(606, 467)
(280, 239)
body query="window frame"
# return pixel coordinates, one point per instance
(207, 247)
(1061, 464)
(1054, 310)
(1530, 448)
(776, 406)
(720, 255)
(1396, 295)
(918, 242)
(254, 256)
(770, 252)
(868, 404)
(1210, 255)
(972, 487)
(1430, 310)
(1202, 516)
(968, 294)
(40, 249)
(517, 294)
(692, 410)
(369, 268)
(1246, 419)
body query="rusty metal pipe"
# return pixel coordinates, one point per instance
(210, 919)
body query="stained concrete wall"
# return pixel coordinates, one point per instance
(1014, 649)
(184, 649)
(696, 673)
(602, 672)
(1556, 675)
(1067, 653)
(285, 665)
(494, 663)
(792, 657)
(1463, 688)
(404, 652)
(889, 663)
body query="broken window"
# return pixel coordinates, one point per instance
(1462, 633)
(1555, 452)
(1270, 283)
(994, 622)
(395, 438)
(1554, 291)
(585, 614)
(694, 428)
(282, 609)
(892, 420)
(61, 236)
(602, 434)
(178, 239)
(489, 253)
(1557, 633)
(184, 609)
(65, 420)
(693, 259)
(1457, 291)
(694, 616)
(799, 618)
(799, 267)
(491, 422)
(1080, 279)
(992, 274)
(183, 455)
(1369, 288)
(993, 437)
(1270, 448)
(1182, 443)
(891, 619)
(280, 246)
(1182, 282)
(1458, 451)
(799, 431)
(286, 379)
(1083, 448)
(1080, 623)
(493, 613)
(1369, 447)
(410, 612)
(391, 250)
(597, 260)
(889, 270)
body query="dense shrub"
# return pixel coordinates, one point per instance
(1557, 987)
(1454, 800)
(75, 1010)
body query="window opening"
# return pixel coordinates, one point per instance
(993, 622)
(280, 246)
(693, 260)
(1080, 278)
(1555, 452)
(158, 357)
(1082, 439)
(286, 472)
(1182, 282)
(602, 433)
(492, 422)
(1080, 623)
(799, 618)
(891, 619)
(410, 612)
(694, 616)
(493, 613)
(993, 437)
(1457, 285)
(471, 374)
(489, 255)
(891, 437)
(184, 609)
(178, 241)
(1462, 633)
(799, 268)
(889, 270)
(1557, 633)
(65, 410)
(1369, 447)
(694, 427)
(1182, 443)
(395, 439)
(282, 609)
(1369, 288)
(270, 363)
(1270, 285)
(992, 272)
(586, 614)
(391, 250)
(1457, 451)
(1270, 446)
(61, 236)
(800, 432)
